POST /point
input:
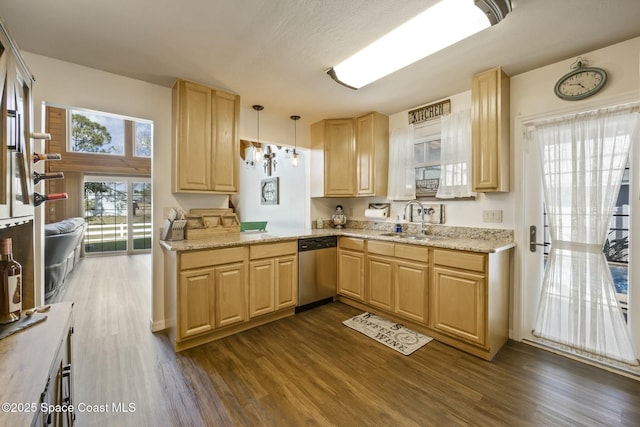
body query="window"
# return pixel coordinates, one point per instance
(108, 134)
(93, 132)
(143, 138)
(426, 154)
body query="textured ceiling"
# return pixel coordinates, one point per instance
(275, 52)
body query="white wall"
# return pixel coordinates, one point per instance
(293, 210)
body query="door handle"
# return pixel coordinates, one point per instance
(533, 231)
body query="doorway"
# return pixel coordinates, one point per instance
(118, 215)
(535, 248)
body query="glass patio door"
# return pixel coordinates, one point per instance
(118, 215)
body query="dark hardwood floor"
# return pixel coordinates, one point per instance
(312, 370)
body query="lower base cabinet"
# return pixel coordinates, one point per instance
(351, 268)
(459, 304)
(397, 279)
(469, 296)
(213, 296)
(214, 293)
(273, 272)
(458, 297)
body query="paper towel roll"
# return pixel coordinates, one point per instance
(376, 213)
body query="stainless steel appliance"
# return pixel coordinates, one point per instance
(317, 271)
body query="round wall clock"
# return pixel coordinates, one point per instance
(580, 83)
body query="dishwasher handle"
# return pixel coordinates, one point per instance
(316, 243)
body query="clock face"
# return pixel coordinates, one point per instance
(580, 83)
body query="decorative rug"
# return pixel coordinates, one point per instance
(391, 334)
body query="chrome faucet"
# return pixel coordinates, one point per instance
(420, 210)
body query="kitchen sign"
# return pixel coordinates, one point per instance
(429, 112)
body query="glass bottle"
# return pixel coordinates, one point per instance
(46, 156)
(11, 292)
(37, 176)
(38, 198)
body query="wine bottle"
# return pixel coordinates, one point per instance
(38, 198)
(46, 156)
(41, 135)
(11, 292)
(37, 177)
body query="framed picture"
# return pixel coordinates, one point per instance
(269, 191)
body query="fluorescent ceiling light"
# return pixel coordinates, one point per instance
(442, 25)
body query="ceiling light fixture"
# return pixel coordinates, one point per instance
(442, 25)
(258, 150)
(294, 153)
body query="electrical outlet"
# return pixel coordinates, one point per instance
(492, 216)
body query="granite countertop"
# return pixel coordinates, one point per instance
(458, 238)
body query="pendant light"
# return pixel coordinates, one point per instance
(294, 153)
(258, 151)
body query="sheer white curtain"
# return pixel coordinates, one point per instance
(455, 156)
(402, 175)
(583, 158)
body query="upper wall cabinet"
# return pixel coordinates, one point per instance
(15, 134)
(350, 157)
(490, 131)
(205, 139)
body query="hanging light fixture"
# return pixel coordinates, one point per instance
(258, 147)
(294, 153)
(438, 27)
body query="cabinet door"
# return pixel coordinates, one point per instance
(380, 283)
(459, 304)
(21, 187)
(196, 302)
(226, 143)
(339, 158)
(193, 145)
(5, 175)
(261, 287)
(286, 281)
(411, 291)
(231, 294)
(351, 274)
(490, 131)
(372, 158)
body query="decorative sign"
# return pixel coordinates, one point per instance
(429, 112)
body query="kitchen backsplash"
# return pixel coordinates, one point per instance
(436, 230)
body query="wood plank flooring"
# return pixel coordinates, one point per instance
(311, 370)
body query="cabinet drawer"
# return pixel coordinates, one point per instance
(351, 243)
(412, 252)
(380, 248)
(212, 257)
(461, 260)
(271, 250)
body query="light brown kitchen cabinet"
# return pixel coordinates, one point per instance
(380, 288)
(205, 139)
(273, 277)
(350, 157)
(470, 298)
(490, 131)
(351, 268)
(372, 154)
(212, 290)
(397, 279)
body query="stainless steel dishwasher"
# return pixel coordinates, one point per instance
(317, 271)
